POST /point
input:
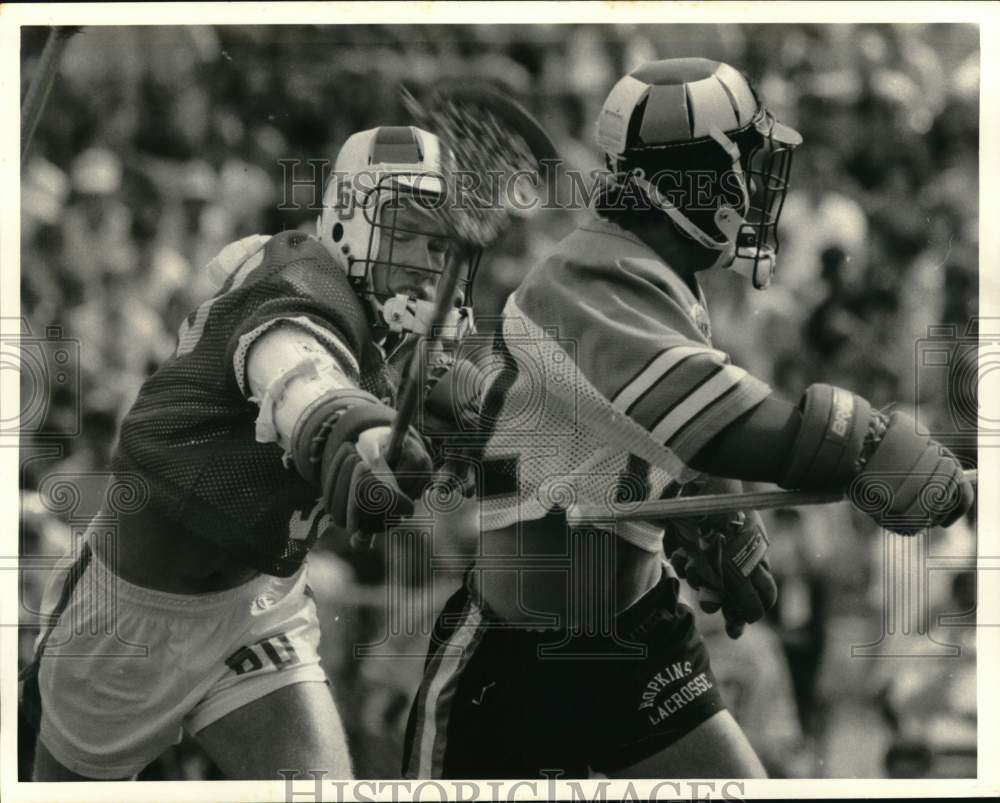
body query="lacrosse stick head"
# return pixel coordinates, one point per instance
(490, 145)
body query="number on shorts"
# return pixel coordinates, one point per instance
(276, 649)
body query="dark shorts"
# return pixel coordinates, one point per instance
(497, 702)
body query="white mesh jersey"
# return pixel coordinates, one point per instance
(605, 384)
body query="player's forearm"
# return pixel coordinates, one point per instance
(834, 439)
(756, 447)
(819, 444)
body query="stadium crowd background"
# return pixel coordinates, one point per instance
(159, 146)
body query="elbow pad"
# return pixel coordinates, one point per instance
(829, 442)
(299, 384)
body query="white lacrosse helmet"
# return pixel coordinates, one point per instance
(373, 168)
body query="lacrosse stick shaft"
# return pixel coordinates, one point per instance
(409, 396)
(721, 503)
(41, 83)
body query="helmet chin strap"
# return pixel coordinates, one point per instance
(757, 267)
(754, 262)
(404, 313)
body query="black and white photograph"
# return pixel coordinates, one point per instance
(498, 401)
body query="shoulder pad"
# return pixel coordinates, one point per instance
(292, 237)
(233, 256)
(294, 245)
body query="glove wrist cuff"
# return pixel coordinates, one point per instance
(312, 430)
(877, 427)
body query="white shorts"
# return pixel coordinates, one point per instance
(127, 669)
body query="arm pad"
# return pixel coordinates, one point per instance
(829, 441)
(815, 445)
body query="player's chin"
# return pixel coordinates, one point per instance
(414, 291)
(420, 294)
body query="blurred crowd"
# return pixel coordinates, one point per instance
(161, 145)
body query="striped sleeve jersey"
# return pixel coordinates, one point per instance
(608, 384)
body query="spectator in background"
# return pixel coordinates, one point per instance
(122, 341)
(800, 614)
(833, 325)
(161, 272)
(248, 194)
(205, 226)
(44, 191)
(820, 217)
(96, 223)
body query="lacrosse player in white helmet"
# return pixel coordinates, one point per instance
(266, 423)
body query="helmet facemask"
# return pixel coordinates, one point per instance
(769, 165)
(743, 226)
(407, 252)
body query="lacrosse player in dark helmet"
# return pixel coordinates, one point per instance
(576, 655)
(702, 150)
(268, 421)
